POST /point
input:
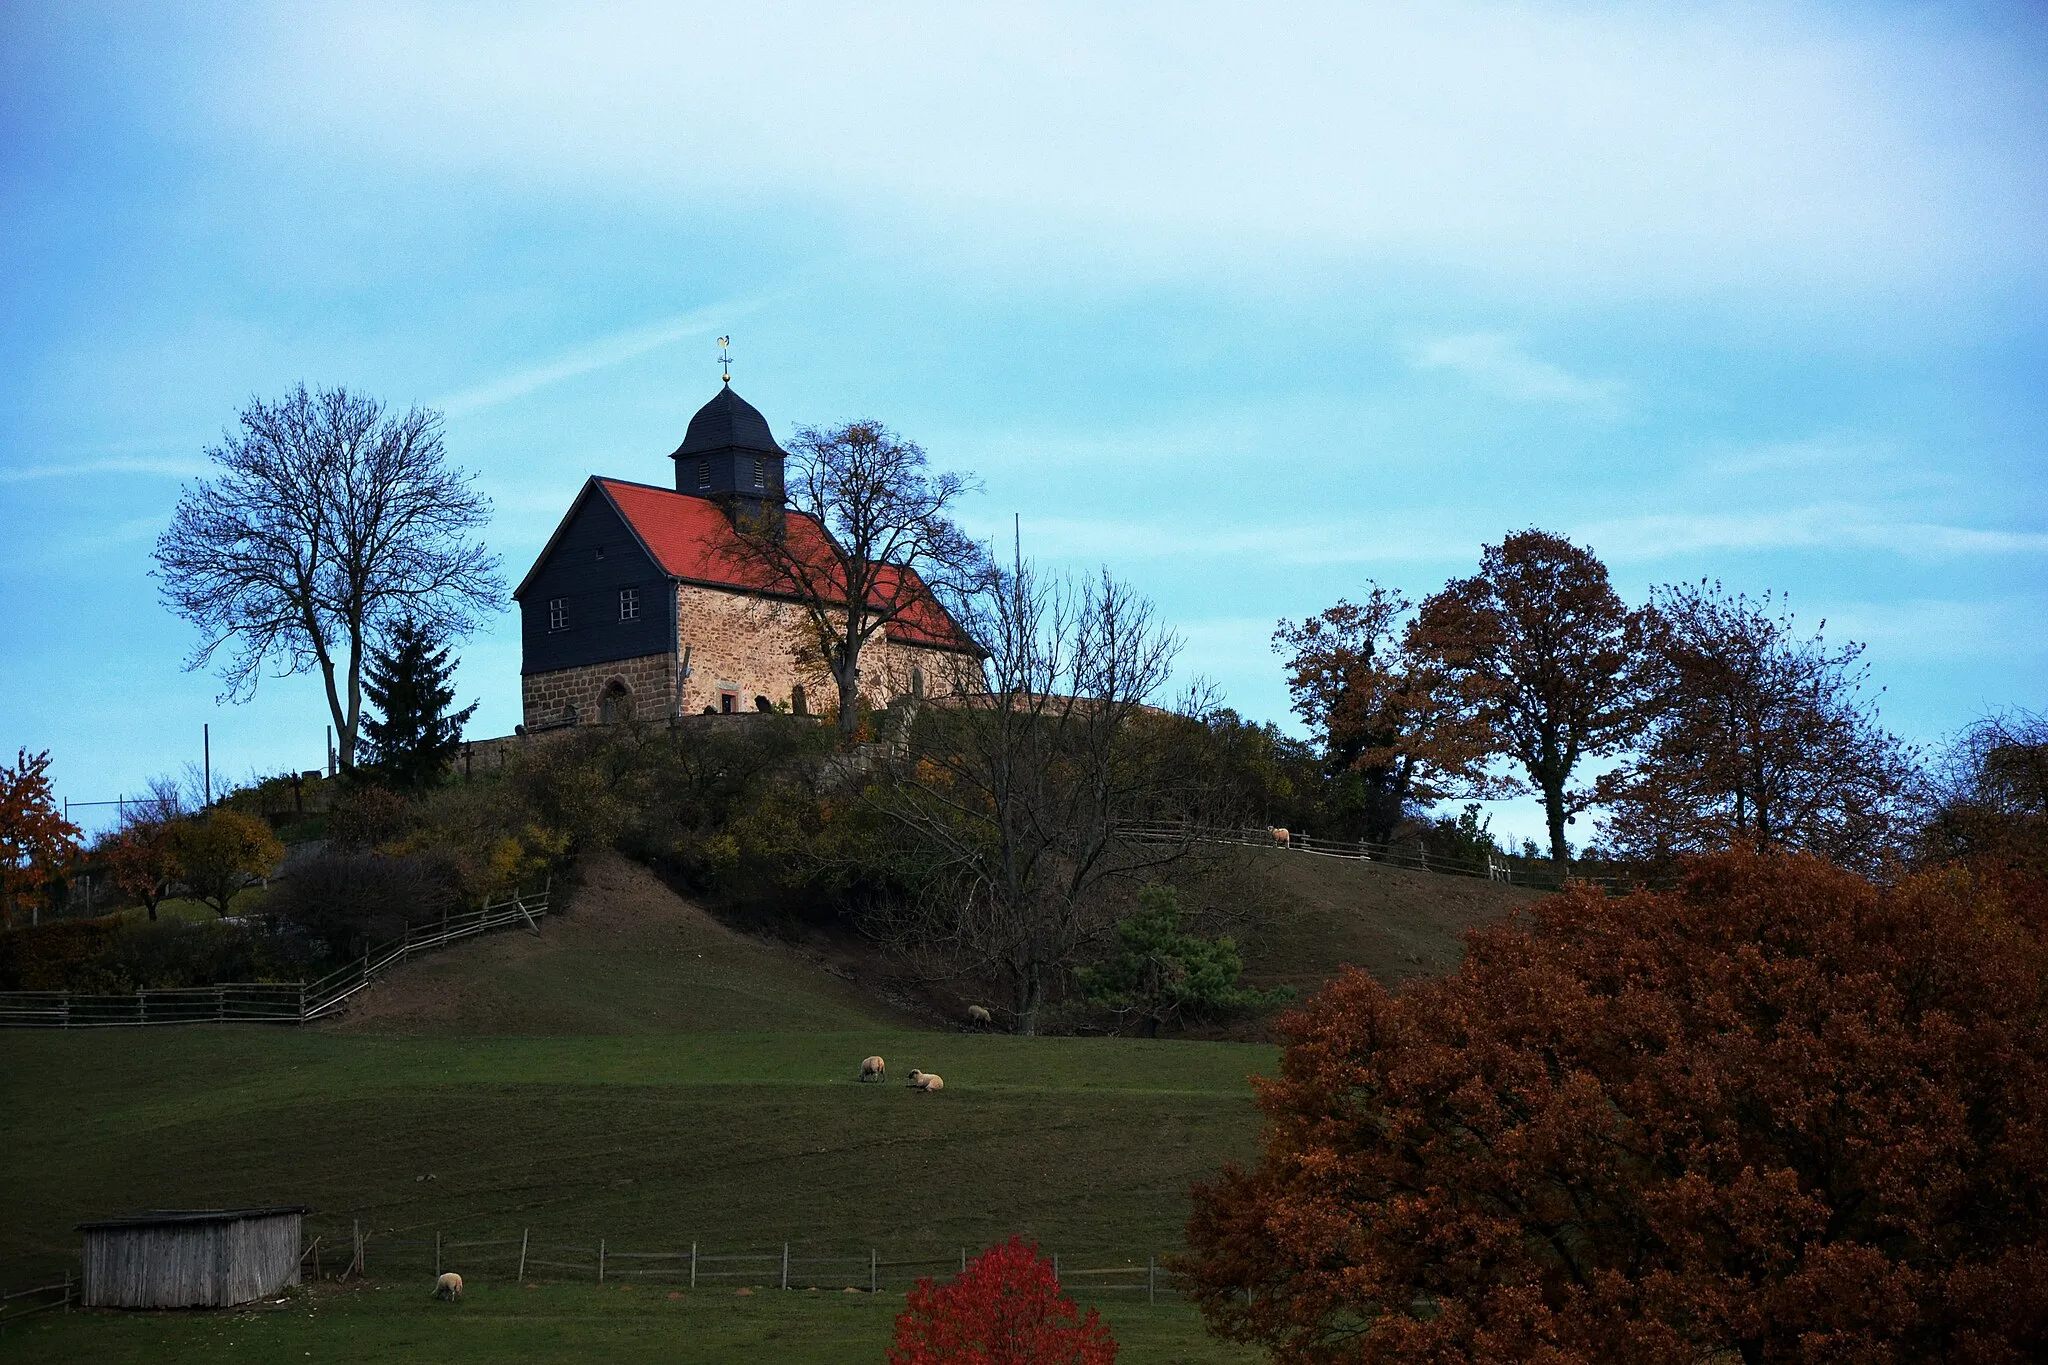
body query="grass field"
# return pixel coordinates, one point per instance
(553, 1323)
(641, 1074)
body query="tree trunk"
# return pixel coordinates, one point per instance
(1553, 811)
(1150, 1028)
(847, 676)
(1030, 995)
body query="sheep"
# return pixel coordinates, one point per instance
(926, 1081)
(1280, 836)
(448, 1287)
(875, 1068)
(978, 1014)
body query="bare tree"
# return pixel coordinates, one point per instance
(1990, 793)
(1543, 653)
(328, 520)
(890, 550)
(1020, 782)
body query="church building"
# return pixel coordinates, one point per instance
(643, 606)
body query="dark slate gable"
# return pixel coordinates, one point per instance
(593, 556)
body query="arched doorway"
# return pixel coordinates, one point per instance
(616, 704)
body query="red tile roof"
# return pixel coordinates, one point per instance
(691, 539)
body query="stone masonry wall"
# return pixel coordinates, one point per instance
(650, 689)
(739, 644)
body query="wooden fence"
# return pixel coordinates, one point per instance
(524, 1260)
(295, 1002)
(1493, 866)
(23, 1303)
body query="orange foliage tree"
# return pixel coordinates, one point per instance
(1777, 1114)
(1382, 711)
(35, 838)
(1544, 657)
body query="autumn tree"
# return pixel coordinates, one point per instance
(1005, 1308)
(1540, 654)
(1779, 1113)
(220, 853)
(1020, 790)
(890, 549)
(412, 735)
(140, 854)
(36, 841)
(1757, 733)
(1382, 711)
(328, 520)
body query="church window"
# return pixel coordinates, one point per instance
(760, 474)
(629, 604)
(703, 473)
(728, 702)
(558, 613)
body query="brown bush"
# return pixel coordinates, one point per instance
(1778, 1114)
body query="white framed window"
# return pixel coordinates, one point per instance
(629, 604)
(760, 473)
(703, 473)
(558, 613)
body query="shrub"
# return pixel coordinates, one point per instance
(1006, 1308)
(353, 900)
(1779, 1113)
(367, 816)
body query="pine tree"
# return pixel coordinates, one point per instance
(414, 736)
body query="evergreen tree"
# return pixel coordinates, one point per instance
(414, 736)
(1160, 973)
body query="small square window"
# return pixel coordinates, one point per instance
(629, 604)
(558, 613)
(703, 473)
(760, 474)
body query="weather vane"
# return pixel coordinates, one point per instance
(725, 358)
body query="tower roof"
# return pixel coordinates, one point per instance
(727, 422)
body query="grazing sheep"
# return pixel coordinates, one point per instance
(927, 1081)
(448, 1287)
(1280, 836)
(978, 1014)
(874, 1068)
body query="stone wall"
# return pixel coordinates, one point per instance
(740, 647)
(592, 693)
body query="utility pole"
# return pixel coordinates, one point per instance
(206, 746)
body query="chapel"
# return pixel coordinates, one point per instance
(643, 606)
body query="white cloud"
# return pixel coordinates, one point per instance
(1499, 365)
(1823, 527)
(80, 469)
(1736, 145)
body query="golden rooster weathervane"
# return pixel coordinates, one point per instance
(725, 359)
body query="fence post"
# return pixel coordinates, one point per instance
(524, 1233)
(437, 1255)
(1151, 1280)
(874, 1271)
(1055, 1265)
(693, 1265)
(220, 1003)
(785, 1265)
(600, 1260)
(963, 1263)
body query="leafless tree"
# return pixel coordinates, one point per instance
(1990, 793)
(890, 549)
(327, 520)
(1022, 780)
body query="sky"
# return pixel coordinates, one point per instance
(1250, 304)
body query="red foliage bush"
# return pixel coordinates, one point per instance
(1777, 1114)
(1006, 1308)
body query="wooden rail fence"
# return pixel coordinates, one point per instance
(1495, 867)
(295, 1002)
(524, 1260)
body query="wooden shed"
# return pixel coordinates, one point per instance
(191, 1258)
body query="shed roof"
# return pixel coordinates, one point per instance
(161, 1217)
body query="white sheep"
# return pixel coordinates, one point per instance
(874, 1068)
(978, 1014)
(1280, 836)
(926, 1081)
(448, 1287)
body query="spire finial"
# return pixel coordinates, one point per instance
(725, 359)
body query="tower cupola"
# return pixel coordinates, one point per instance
(729, 454)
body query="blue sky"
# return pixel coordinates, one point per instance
(1248, 302)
